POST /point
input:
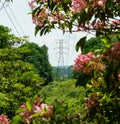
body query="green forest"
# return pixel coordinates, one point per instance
(32, 91)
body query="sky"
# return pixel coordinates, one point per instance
(15, 16)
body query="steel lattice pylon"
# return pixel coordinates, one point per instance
(60, 52)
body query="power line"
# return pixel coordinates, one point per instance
(2, 6)
(16, 20)
(10, 19)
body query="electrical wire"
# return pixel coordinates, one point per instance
(2, 6)
(16, 20)
(10, 19)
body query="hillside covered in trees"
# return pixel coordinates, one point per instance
(24, 69)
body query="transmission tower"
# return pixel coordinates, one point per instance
(61, 61)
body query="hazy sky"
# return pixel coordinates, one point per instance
(18, 10)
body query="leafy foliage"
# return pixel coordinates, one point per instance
(37, 56)
(80, 43)
(8, 40)
(20, 78)
(100, 44)
(62, 73)
(102, 85)
(74, 15)
(68, 100)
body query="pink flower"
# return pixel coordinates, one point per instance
(26, 114)
(82, 27)
(45, 111)
(81, 62)
(58, 16)
(31, 4)
(119, 76)
(39, 18)
(88, 63)
(4, 119)
(113, 54)
(91, 102)
(78, 5)
(116, 22)
(100, 3)
(98, 24)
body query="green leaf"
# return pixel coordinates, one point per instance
(29, 105)
(29, 12)
(104, 40)
(36, 30)
(21, 110)
(66, 1)
(17, 119)
(80, 43)
(35, 115)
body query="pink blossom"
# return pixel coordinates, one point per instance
(26, 114)
(81, 62)
(39, 18)
(113, 54)
(44, 110)
(119, 76)
(4, 119)
(98, 24)
(91, 102)
(58, 16)
(82, 27)
(115, 1)
(88, 63)
(38, 107)
(78, 5)
(116, 22)
(100, 3)
(31, 4)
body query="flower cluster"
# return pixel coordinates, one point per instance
(43, 110)
(91, 102)
(88, 62)
(48, 16)
(82, 61)
(39, 18)
(45, 15)
(57, 16)
(85, 15)
(4, 119)
(78, 5)
(99, 25)
(32, 4)
(113, 54)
